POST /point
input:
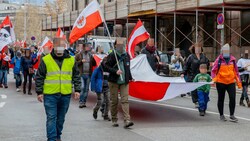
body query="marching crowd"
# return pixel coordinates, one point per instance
(61, 69)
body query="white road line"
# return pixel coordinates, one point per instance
(2, 104)
(4, 96)
(184, 108)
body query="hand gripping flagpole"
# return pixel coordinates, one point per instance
(113, 48)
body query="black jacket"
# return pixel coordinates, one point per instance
(111, 67)
(191, 68)
(151, 57)
(42, 71)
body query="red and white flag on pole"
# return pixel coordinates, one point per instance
(7, 35)
(46, 43)
(60, 33)
(138, 35)
(88, 20)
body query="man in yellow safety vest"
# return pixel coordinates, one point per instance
(56, 76)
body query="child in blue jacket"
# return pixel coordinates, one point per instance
(16, 61)
(99, 85)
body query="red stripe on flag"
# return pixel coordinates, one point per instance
(92, 21)
(148, 90)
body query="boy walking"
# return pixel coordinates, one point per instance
(16, 61)
(99, 84)
(203, 91)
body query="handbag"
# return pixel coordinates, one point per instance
(31, 71)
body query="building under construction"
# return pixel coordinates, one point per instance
(173, 23)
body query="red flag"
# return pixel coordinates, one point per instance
(46, 43)
(89, 19)
(138, 35)
(60, 34)
(7, 23)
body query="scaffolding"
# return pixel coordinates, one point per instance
(128, 11)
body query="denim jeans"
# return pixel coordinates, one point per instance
(18, 78)
(244, 92)
(85, 88)
(3, 77)
(56, 107)
(202, 100)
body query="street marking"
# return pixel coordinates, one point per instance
(184, 108)
(3, 103)
(4, 96)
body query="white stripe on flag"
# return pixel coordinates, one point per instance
(141, 30)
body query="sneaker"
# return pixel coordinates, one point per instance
(6, 86)
(82, 105)
(223, 118)
(24, 91)
(248, 103)
(182, 95)
(18, 90)
(233, 118)
(196, 105)
(95, 114)
(115, 124)
(202, 113)
(29, 93)
(128, 123)
(242, 103)
(106, 118)
(1, 86)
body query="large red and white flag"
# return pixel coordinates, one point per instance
(150, 86)
(60, 33)
(7, 35)
(138, 35)
(88, 20)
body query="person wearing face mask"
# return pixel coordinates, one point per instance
(85, 62)
(27, 64)
(56, 75)
(16, 61)
(243, 64)
(152, 54)
(118, 79)
(191, 68)
(225, 73)
(5, 58)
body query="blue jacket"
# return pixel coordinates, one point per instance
(17, 65)
(97, 80)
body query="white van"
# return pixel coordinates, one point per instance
(104, 42)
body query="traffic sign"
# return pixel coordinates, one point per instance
(220, 19)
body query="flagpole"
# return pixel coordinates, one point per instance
(113, 48)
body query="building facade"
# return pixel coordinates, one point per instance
(173, 23)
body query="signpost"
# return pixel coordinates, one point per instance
(220, 21)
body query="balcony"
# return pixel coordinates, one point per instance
(186, 4)
(164, 6)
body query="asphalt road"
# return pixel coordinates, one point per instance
(22, 118)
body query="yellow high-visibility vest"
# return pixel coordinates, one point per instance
(58, 80)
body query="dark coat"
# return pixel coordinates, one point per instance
(191, 67)
(151, 57)
(111, 67)
(42, 71)
(79, 58)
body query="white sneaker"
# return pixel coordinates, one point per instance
(18, 90)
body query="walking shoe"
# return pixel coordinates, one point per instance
(233, 118)
(1, 86)
(95, 114)
(82, 105)
(182, 95)
(248, 103)
(18, 90)
(106, 118)
(202, 113)
(29, 93)
(24, 91)
(223, 118)
(115, 124)
(6, 86)
(128, 123)
(242, 103)
(58, 140)
(196, 105)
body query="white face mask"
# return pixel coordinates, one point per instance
(59, 50)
